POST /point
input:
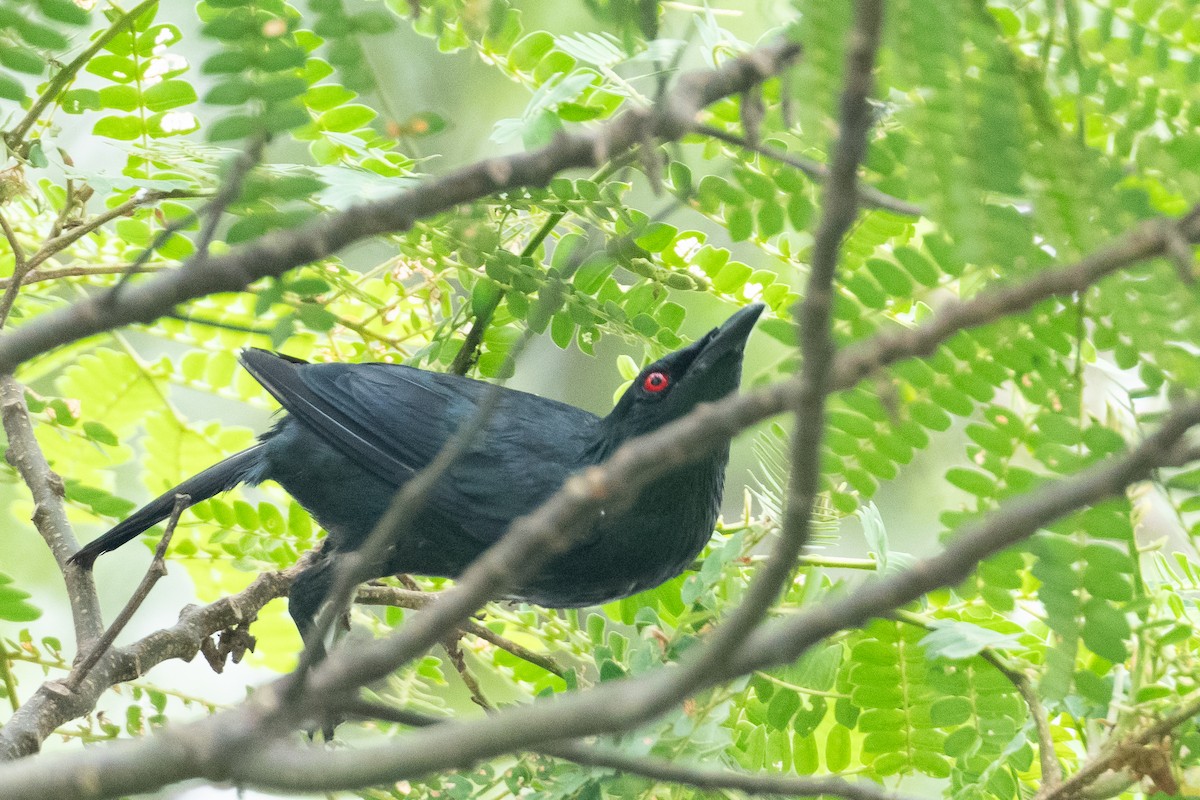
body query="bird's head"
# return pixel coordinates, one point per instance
(707, 369)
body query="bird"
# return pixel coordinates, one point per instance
(353, 434)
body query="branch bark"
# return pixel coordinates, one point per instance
(49, 513)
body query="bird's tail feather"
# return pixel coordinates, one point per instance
(218, 478)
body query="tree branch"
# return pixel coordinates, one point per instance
(620, 705)
(49, 513)
(173, 754)
(868, 196)
(52, 706)
(406, 598)
(158, 568)
(690, 438)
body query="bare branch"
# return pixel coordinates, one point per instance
(173, 755)
(81, 271)
(157, 569)
(717, 779)
(688, 439)
(56, 245)
(407, 598)
(49, 513)
(619, 705)
(454, 650)
(868, 196)
(816, 344)
(20, 268)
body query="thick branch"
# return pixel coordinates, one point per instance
(840, 208)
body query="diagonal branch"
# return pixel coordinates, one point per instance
(52, 706)
(868, 196)
(172, 755)
(158, 568)
(620, 705)
(817, 350)
(230, 747)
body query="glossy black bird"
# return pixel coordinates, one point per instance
(354, 433)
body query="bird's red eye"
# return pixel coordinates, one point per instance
(656, 382)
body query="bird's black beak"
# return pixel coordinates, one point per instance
(730, 338)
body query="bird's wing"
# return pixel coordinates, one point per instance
(393, 420)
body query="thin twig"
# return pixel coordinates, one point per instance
(466, 356)
(157, 569)
(54, 273)
(454, 650)
(230, 189)
(56, 245)
(868, 195)
(20, 268)
(408, 598)
(1051, 769)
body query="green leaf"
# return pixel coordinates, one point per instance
(98, 432)
(346, 118)
(168, 94)
(958, 640)
(783, 706)
(11, 89)
(13, 607)
(123, 129)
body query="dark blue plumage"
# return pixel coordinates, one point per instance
(354, 433)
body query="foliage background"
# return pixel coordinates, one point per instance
(1028, 134)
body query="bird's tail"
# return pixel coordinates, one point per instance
(243, 466)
